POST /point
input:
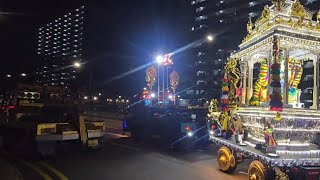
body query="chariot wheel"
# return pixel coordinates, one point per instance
(227, 160)
(257, 171)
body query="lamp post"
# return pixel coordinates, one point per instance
(159, 60)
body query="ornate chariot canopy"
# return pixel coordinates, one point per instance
(289, 20)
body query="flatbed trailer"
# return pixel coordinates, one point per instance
(39, 120)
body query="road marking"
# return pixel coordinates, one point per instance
(127, 147)
(54, 170)
(38, 170)
(119, 135)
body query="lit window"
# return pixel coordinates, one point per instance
(201, 18)
(199, 9)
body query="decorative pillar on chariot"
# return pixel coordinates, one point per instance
(244, 70)
(229, 98)
(275, 85)
(315, 94)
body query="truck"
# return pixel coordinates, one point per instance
(173, 127)
(41, 118)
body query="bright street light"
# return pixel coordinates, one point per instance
(77, 64)
(210, 38)
(86, 97)
(95, 98)
(23, 74)
(9, 75)
(159, 59)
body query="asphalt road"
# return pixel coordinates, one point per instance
(121, 158)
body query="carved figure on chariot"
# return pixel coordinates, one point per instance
(233, 75)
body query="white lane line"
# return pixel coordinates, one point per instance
(119, 135)
(127, 147)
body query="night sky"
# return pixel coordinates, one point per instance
(122, 35)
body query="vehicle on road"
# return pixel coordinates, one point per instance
(178, 127)
(42, 118)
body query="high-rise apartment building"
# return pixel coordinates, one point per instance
(226, 20)
(60, 45)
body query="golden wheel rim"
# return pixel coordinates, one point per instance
(224, 158)
(256, 171)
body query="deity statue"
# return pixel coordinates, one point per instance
(265, 15)
(278, 3)
(249, 26)
(233, 75)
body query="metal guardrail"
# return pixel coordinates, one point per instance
(107, 115)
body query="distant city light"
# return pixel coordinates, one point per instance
(210, 38)
(119, 96)
(145, 89)
(170, 97)
(153, 95)
(23, 74)
(95, 98)
(9, 75)
(99, 94)
(86, 97)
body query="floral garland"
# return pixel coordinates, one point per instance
(261, 83)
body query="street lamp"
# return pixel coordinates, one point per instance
(77, 64)
(159, 60)
(9, 76)
(23, 74)
(210, 38)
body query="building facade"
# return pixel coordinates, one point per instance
(225, 20)
(60, 45)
